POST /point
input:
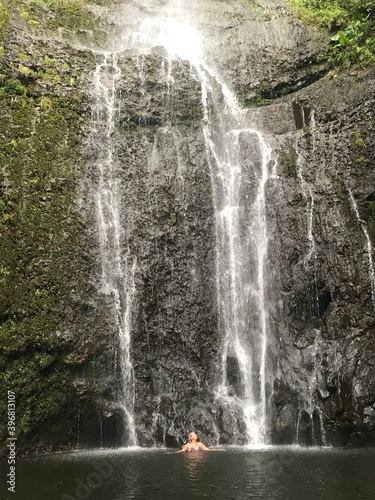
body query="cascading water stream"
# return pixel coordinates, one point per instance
(309, 403)
(239, 159)
(118, 265)
(309, 198)
(240, 267)
(368, 244)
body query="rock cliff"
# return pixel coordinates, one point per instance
(58, 333)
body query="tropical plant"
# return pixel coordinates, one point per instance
(352, 22)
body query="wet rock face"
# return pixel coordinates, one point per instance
(324, 391)
(259, 47)
(166, 213)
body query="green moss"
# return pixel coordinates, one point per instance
(40, 236)
(28, 378)
(25, 15)
(360, 144)
(13, 87)
(37, 236)
(49, 61)
(44, 257)
(361, 160)
(288, 162)
(50, 75)
(25, 71)
(73, 18)
(257, 100)
(4, 15)
(52, 14)
(359, 148)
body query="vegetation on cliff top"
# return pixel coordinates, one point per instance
(351, 21)
(51, 14)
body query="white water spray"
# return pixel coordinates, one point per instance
(118, 265)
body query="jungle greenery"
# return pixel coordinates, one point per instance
(352, 23)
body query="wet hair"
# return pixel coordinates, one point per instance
(192, 432)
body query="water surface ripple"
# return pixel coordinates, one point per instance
(279, 473)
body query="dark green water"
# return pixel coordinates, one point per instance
(235, 473)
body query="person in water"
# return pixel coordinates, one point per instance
(193, 444)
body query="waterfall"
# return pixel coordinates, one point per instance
(309, 406)
(310, 259)
(239, 160)
(310, 403)
(308, 196)
(117, 264)
(362, 223)
(241, 238)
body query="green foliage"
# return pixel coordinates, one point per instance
(354, 44)
(67, 13)
(43, 255)
(45, 103)
(359, 148)
(362, 160)
(13, 87)
(24, 14)
(3, 15)
(4, 271)
(38, 164)
(353, 24)
(25, 71)
(332, 14)
(2, 206)
(288, 161)
(49, 61)
(360, 143)
(56, 4)
(25, 376)
(357, 141)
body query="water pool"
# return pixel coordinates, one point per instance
(279, 473)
